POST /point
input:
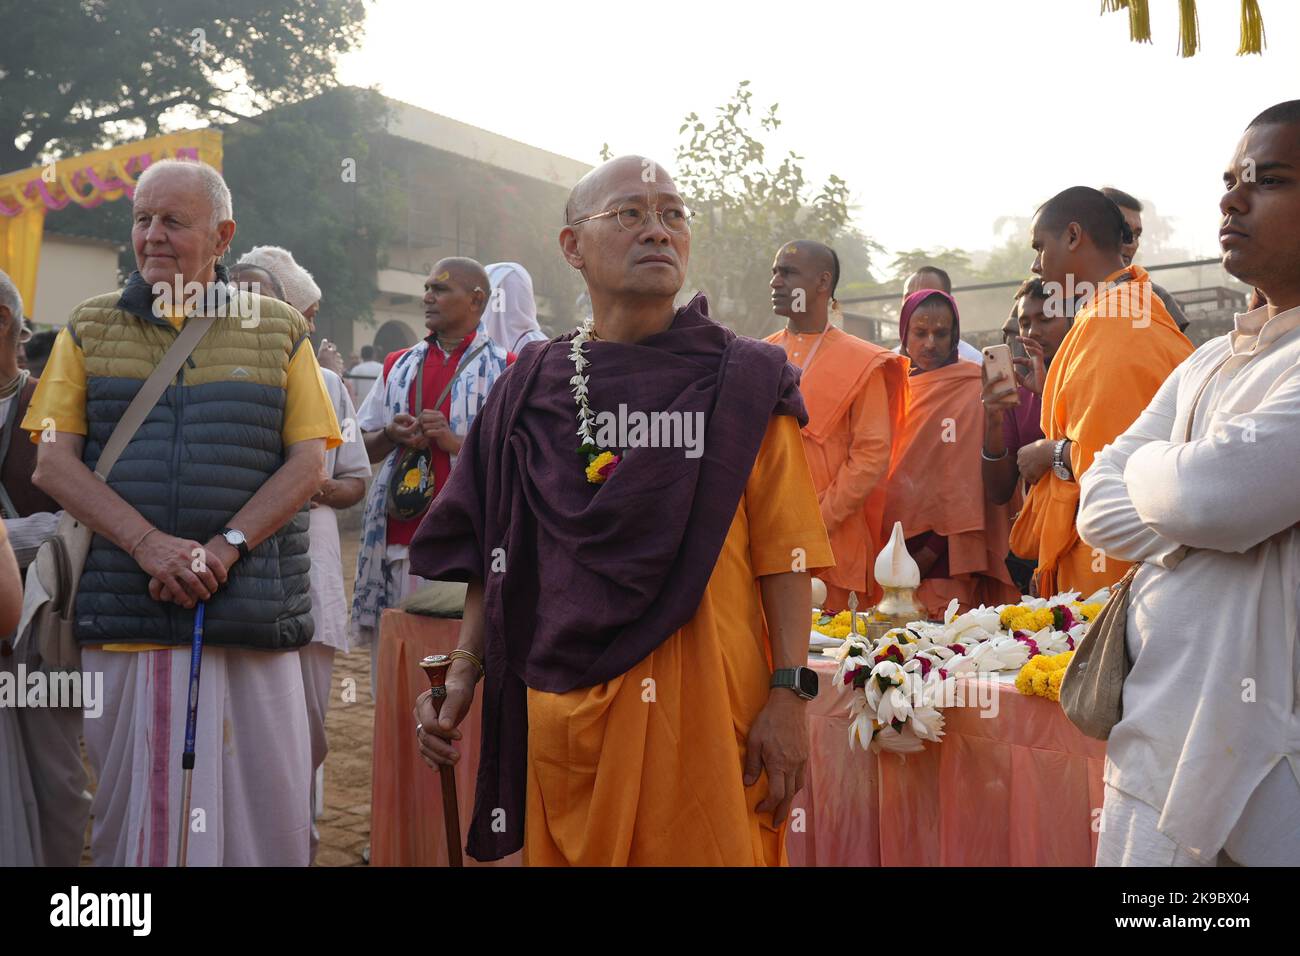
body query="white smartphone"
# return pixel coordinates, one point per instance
(998, 364)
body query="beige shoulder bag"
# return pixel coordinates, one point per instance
(1092, 690)
(60, 560)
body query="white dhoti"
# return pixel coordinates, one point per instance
(44, 804)
(317, 663)
(20, 824)
(252, 758)
(1266, 834)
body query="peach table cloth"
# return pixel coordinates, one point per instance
(1019, 789)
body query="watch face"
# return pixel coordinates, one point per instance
(236, 538)
(807, 678)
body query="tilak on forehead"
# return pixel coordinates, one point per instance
(442, 276)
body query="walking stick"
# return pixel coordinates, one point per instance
(191, 719)
(435, 668)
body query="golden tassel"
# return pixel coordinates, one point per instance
(1139, 21)
(1252, 29)
(1189, 28)
(1139, 17)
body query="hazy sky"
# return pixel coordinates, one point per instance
(942, 115)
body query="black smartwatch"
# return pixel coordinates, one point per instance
(801, 680)
(236, 540)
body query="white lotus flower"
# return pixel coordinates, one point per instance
(902, 742)
(861, 730)
(927, 723)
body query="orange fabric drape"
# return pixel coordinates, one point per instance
(841, 423)
(647, 769)
(937, 485)
(1119, 351)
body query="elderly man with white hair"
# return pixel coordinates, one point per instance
(43, 800)
(346, 468)
(207, 503)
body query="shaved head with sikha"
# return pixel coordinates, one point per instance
(819, 257)
(804, 276)
(466, 273)
(455, 296)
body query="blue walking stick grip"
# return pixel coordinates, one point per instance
(191, 717)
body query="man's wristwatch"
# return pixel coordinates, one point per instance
(801, 680)
(236, 540)
(1061, 466)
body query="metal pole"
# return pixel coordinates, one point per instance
(191, 719)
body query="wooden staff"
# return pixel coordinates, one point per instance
(435, 668)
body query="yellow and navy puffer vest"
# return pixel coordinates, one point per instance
(212, 440)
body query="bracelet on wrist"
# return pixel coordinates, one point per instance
(987, 457)
(139, 541)
(462, 654)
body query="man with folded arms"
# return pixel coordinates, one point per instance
(1204, 765)
(632, 604)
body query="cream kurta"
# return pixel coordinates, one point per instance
(1210, 704)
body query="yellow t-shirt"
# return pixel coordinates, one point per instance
(60, 399)
(61, 395)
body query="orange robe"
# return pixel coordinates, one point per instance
(1120, 349)
(937, 485)
(646, 769)
(856, 396)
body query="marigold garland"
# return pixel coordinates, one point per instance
(1041, 676)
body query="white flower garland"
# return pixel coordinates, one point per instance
(579, 382)
(912, 670)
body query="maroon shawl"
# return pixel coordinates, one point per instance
(910, 305)
(596, 576)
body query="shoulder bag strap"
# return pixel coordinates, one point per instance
(464, 363)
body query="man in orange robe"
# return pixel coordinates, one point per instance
(643, 615)
(1122, 346)
(936, 485)
(856, 396)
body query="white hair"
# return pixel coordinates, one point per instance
(10, 296)
(214, 187)
(300, 289)
(12, 299)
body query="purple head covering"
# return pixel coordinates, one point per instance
(910, 305)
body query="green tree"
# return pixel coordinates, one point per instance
(955, 262)
(746, 208)
(307, 178)
(87, 74)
